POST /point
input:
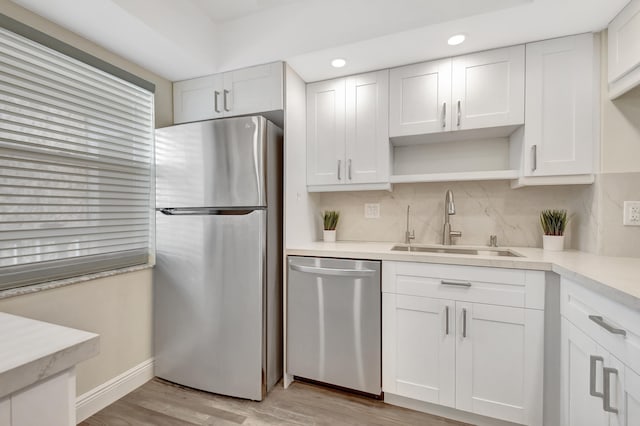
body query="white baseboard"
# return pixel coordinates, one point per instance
(109, 392)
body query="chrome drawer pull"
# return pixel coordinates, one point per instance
(456, 283)
(464, 323)
(592, 375)
(611, 329)
(606, 387)
(446, 313)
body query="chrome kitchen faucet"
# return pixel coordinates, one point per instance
(449, 209)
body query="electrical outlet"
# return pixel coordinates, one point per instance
(631, 213)
(372, 211)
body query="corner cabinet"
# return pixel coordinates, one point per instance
(347, 133)
(600, 360)
(240, 92)
(480, 90)
(561, 107)
(624, 50)
(469, 338)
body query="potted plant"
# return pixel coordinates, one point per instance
(330, 221)
(553, 224)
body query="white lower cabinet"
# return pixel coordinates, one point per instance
(599, 387)
(51, 401)
(441, 347)
(419, 348)
(5, 411)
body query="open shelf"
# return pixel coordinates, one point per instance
(457, 176)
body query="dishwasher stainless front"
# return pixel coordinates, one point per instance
(333, 322)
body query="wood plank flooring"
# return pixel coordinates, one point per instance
(160, 403)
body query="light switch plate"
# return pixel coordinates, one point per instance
(372, 211)
(631, 215)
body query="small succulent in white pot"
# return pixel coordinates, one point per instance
(554, 223)
(330, 222)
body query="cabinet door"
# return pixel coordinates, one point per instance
(420, 98)
(326, 132)
(197, 99)
(488, 89)
(367, 132)
(580, 356)
(49, 402)
(5, 411)
(499, 365)
(418, 355)
(559, 134)
(623, 36)
(630, 399)
(254, 89)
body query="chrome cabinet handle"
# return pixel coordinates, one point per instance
(592, 375)
(444, 115)
(459, 112)
(611, 329)
(464, 323)
(349, 169)
(446, 321)
(339, 167)
(534, 158)
(456, 283)
(226, 100)
(332, 271)
(215, 101)
(606, 387)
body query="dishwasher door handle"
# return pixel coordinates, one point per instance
(332, 271)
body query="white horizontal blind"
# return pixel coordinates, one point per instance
(76, 149)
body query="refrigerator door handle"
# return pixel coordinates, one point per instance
(208, 211)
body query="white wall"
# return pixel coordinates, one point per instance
(119, 307)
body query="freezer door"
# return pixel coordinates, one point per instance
(208, 301)
(217, 163)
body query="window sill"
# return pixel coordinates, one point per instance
(34, 288)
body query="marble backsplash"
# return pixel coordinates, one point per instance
(485, 208)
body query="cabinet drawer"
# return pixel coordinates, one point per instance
(610, 324)
(507, 287)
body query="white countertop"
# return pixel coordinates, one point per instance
(615, 277)
(32, 350)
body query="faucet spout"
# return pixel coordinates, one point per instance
(408, 236)
(449, 209)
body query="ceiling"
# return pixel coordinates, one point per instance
(190, 38)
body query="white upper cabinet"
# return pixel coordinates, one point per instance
(488, 89)
(420, 98)
(254, 89)
(246, 91)
(624, 50)
(347, 133)
(480, 90)
(325, 132)
(559, 135)
(197, 99)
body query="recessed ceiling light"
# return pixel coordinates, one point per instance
(456, 39)
(338, 63)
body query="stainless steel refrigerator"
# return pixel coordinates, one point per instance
(218, 275)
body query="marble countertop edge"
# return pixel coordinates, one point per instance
(616, 277)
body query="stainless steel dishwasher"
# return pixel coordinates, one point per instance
(333, 322)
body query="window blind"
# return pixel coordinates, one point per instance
(76, 154)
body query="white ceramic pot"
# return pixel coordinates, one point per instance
(553, 242)
(329, 236)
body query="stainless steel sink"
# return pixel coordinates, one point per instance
(457, 250)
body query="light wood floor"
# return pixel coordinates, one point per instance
(160, 403)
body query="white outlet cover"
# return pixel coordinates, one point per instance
(631, 215)
(372, 211)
